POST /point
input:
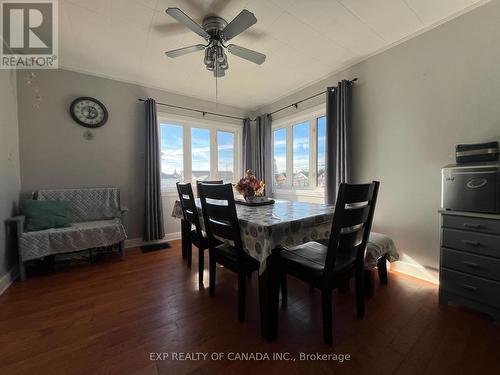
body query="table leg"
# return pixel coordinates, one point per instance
(269, 282)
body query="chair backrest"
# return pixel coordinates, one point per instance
(188, 204)
(198, 183)
(352, 223)
(219, 213)
(86, 204)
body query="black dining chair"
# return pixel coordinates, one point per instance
(332, 266)
(221, 221)
(191, 218)
(213, 182)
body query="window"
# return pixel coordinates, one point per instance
(172, 162)
(198, 149)
(200, 154)
(299, 152)
(301, 155)
(321, 142)
(225, 156)
(279, 145)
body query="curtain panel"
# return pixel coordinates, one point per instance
(262, 165)
(338, 129)
(247, 145)
(153, 220)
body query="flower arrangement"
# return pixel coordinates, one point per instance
(249, 186)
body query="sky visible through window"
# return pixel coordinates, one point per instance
(225, 155)
(279, 156)
(321, 132)
(200, 154)
(171, 154)
(301, 146)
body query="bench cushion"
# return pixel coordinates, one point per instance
(88, 204)
(378, 246)
(78, 236)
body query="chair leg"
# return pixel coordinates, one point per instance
(211, 271)
(326, 305)
(242, 292)
(189, 252)
(201, 264)
(22, 271)
(284, 288)
(382, 270)
(360, 292)
(122, 250)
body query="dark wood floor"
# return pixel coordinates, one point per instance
(109, 316)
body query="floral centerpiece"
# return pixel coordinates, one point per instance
(250, 187)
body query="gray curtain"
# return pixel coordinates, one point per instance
(153, 220)
(338, 123)
(247, 146)
(262, 165)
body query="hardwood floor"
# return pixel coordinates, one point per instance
(106, 318)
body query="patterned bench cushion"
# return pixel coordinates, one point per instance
(88, 204)
(378, 246)
(79, 236)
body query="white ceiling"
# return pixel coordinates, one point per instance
(304, 40)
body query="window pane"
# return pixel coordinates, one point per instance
(225, 156)
(320, 167)
(279, 165)
(301, 155)
(200, 153)
(172, 155)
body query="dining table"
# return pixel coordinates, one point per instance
(265, 231)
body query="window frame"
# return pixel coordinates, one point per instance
(187, 124)
(310, 115)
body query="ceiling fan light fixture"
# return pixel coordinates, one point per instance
(217, 31)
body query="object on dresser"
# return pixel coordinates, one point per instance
(471, 187)
(469, 268)
(476, 153)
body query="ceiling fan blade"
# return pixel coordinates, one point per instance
(240, 23)
(247, 54)
(180, 16)
(185, 50)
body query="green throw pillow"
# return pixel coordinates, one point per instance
(42, 215)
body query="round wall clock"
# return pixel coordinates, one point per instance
(88, 112)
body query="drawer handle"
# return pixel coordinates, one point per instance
(473, 226)
(471, 243)
(470, 264)
(469, 287)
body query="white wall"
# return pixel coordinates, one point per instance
(411, 106)
(54, 153)
(10, 185)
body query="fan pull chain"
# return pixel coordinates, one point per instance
(216, 85)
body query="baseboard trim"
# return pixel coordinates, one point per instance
(9, 278)
(416, 270)
(136, 242)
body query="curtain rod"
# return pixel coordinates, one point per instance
(295, 105)
(196, 110)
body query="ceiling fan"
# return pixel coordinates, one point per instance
(217, 32)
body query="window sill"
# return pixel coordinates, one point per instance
(169, 193)
(316, 193)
